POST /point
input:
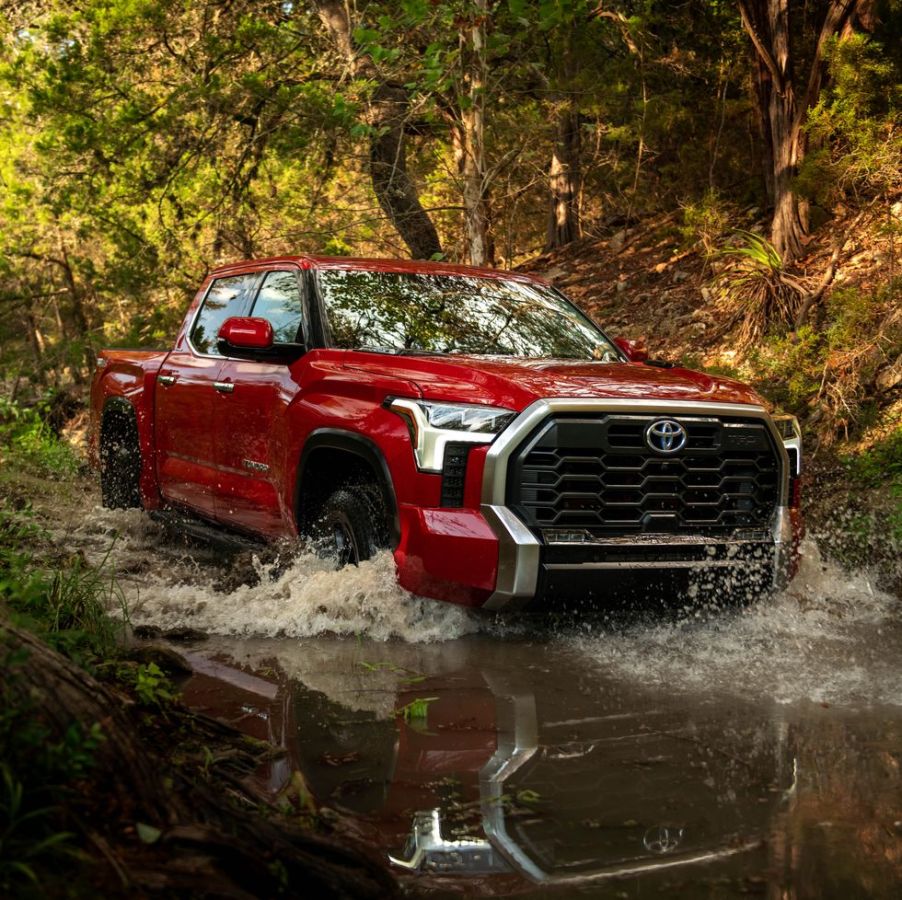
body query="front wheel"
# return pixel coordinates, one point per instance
(352, 525)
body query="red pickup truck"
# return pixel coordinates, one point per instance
(473, 422)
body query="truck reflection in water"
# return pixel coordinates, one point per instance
(499, 761)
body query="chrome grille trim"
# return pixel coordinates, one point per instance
(519, 556)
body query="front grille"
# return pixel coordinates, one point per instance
(598, 475)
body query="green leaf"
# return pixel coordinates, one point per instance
(147, 833)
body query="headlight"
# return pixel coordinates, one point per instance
(467, 417)
(433, 425)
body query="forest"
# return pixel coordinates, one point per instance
(144, 142)
(719, 178)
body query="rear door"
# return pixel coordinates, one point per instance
(249, 417)
(186, 395)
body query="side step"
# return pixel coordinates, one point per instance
(206, 532)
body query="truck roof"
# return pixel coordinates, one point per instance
(310, 261)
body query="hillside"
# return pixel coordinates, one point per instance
(841, 372)
(655, 280)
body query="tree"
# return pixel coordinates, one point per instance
(783, 112)
(387, 115)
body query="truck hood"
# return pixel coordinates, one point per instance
(515, 383)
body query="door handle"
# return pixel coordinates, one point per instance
(167, 380)
(224, 387)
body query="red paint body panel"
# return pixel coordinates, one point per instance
(449, 554)
(224, 437)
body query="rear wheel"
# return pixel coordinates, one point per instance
(352, 526)
(120, 462)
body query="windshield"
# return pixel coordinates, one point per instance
(411, 312)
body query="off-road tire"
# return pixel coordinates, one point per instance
(352, 525)
(120, 462)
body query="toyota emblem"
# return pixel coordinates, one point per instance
(666, 436)
(662, 839)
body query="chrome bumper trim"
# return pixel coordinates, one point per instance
(518, 559)
(519, 549)
(642, 565)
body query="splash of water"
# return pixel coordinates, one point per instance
(831, 638)
(170, 589)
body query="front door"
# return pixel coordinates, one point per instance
(249, 417)
(186, 400)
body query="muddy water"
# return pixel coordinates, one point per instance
(700, 754)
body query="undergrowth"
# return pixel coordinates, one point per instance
(28, 442)
(38, 774)
(828, 372)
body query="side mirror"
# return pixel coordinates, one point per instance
(634, 351)
(246, 333)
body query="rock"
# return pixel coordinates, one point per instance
(617, 241)
(166, 658)
(896, 210)
(146, 632)
(888, 378)
(185, 634)
(706, 294)
(621, 287)
(679, 275)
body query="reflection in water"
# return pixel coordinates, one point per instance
(517, 763)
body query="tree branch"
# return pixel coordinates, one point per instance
(763, 52)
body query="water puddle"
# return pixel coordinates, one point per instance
(513, 766)
(710, 753)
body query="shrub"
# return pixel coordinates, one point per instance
(854, 129)
(830, 371)
(757, 292)
(707, 222)
(66, 606)
(29, 441)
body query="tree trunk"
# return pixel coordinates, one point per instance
(38, 345)
(564, 179)
(783, 116)
(392, 184)
(387, 115)
(471, 142)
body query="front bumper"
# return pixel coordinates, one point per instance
(490, 558)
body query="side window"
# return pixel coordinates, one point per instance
(280, 302)
(226, 298)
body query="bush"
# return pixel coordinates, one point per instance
(854, 129)
(67, 607)
(27, 440)
(758, 294)
(707, 222)
(829, 372)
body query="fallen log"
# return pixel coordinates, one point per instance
(208, 839)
